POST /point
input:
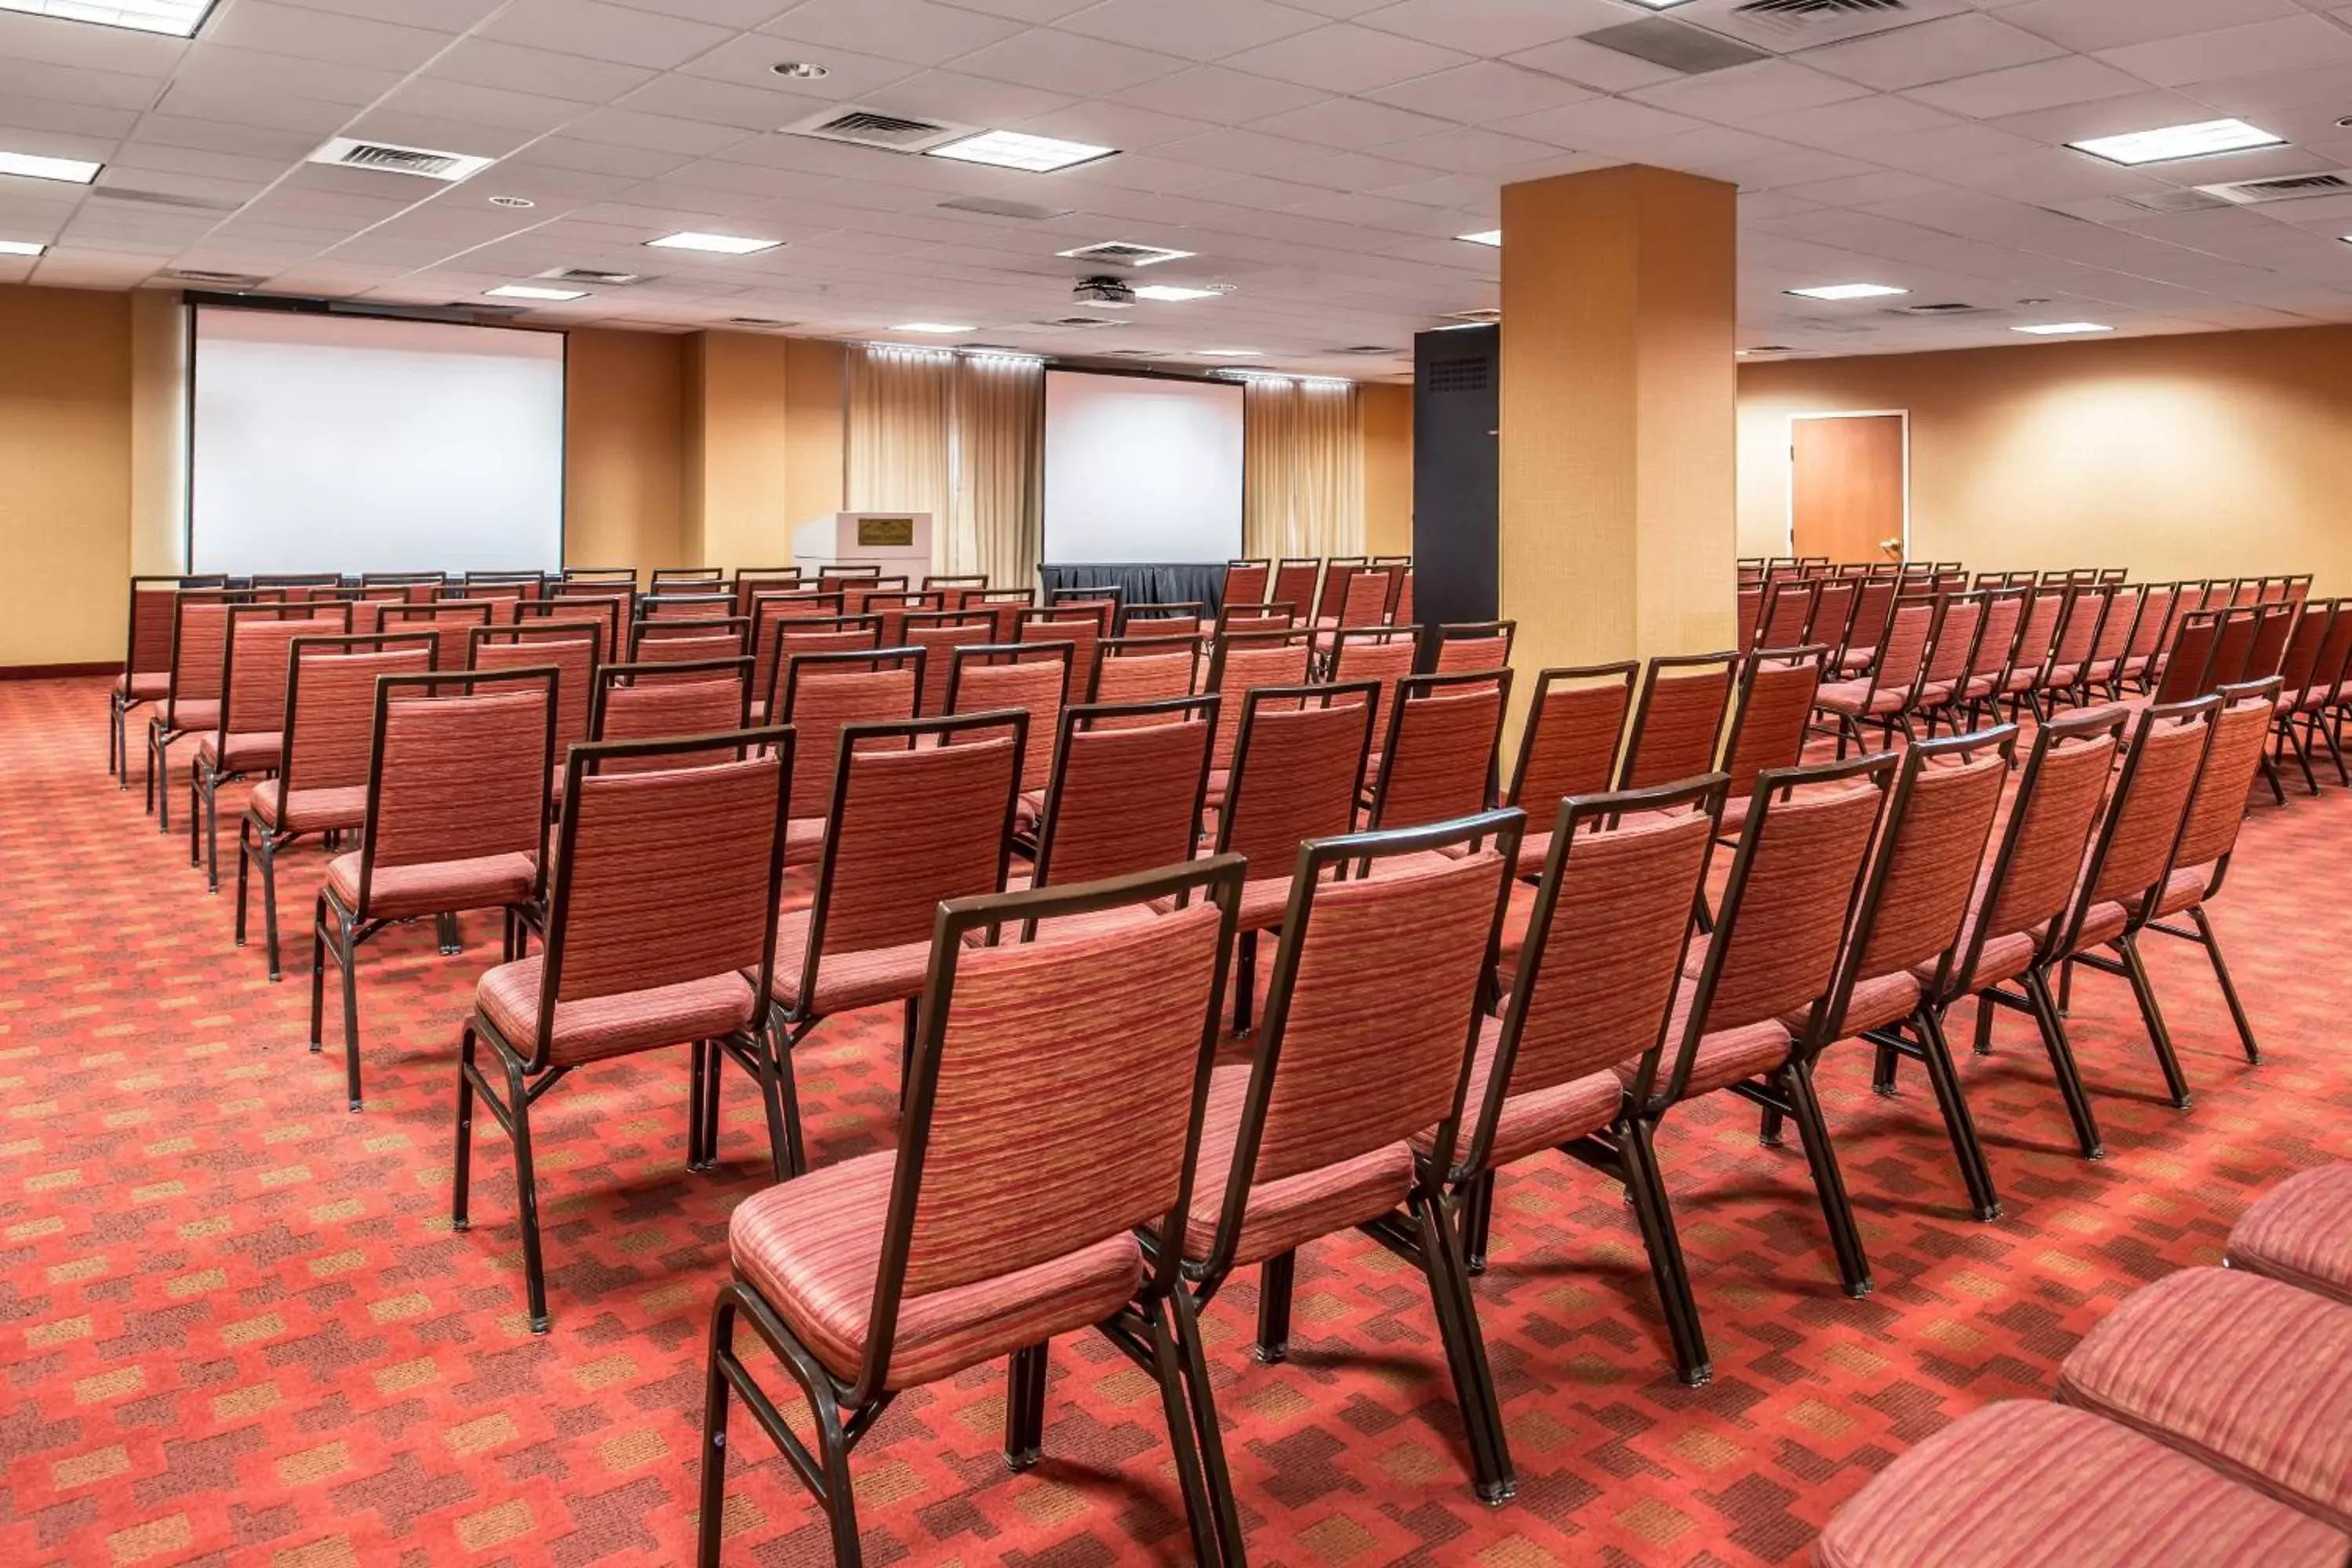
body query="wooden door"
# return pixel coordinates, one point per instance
(1847, 491)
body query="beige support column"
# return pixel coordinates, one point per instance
(763, 445)
(1619, 416)
(159, 432)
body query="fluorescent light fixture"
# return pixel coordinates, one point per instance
(179, 19)
(1846, 292)
(943, 328)
(2062, 329)
(1463, 326)
(2201, 139)
(21, 247)
(1661, 5)
(527, 291)
(76, 171)
(717, 244)
(1484, 237)
(1231, 353)
(1172, 293)
(1017, 150)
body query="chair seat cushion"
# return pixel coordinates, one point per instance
(845, 981)
(432, 887)
(1535, 1121)
(1857, 697)
(191, 715)
(2184, 889)
(145, 686)
(2101, 923)
(2249, 1375)
(599, 1027)
(309, 810)
(1291, 1210)
(246, 751)
(2029, 1485)
(812, 1246)
(2063, 676)
(1724, 1057)
(2301, 1232)
(1874, 1004)
(805, 840)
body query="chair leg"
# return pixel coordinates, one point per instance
(1024, 1405)
(2066, 989)
(1245, 982)
(698, 1067)
(1885, 1066)
(114, 735)
(212, 831)
(461, 1182)
(1275, 1276)
(2229, 987)
(2167, 1060)
(267, 854)
(534, 1270)
(1465, 1349)
(786, 1156)
(2327, 738)
(1645, 1187)
(712, 1484)
(1976, 1171)
(444, 928)
(1796, 1081)
(1767, 1128)
(244, 856)
(348, 960)
(1477, 1220)
(2061, 1063)
(318, 975)
(2302, 757)
(1983, 1045)
(1211, 1515)
(2271, 777)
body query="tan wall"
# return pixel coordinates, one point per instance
(1385, 413)
(65, 474)
(159, 433)
(2212, 455)
(624, 463)
(816, 433)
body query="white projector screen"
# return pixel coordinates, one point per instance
(1141, 468)
(360, 444)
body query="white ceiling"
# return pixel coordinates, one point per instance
(1318, 154)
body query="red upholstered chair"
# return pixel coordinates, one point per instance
(939, 633)
(1906, 935)
(368, 603)
(619, 597)
(296, 580)
(1570, 746)
(249, 735)
(1402, 611)
(576, 651)
(821, 694)
(2151, 629)
(2051, 820)
(1770, 718)
(688, 579)
(845, 576)
(895, 607)
(1872, 606)
(986, 1234)
(1381, 655)
(2322, 704)
(1147, 668)
(146, 660)
(1081, 623)
(605, 612)
(190, 704)
(677, 640)
(2117, 626)
(1034, 677)
(2295, 672)
(501, 594)
(1239, 661)
(1951, 653)
(2183, 668)
(659, 701)
(1677, 727)
(1438, 759)
(417, 586)
(955, 589)
(772, 613)
(661, 930)
(1788, 611)
(2249, 1375)
(2037, 635)
(676, 606)
(2273, 625)
(1171, 618)
(1006, 605)
(1298, 771)
(457, 820)
(322, 774)
(1472, 644)
(1750, 613)
(804, 636)
(627, 574)
(1372, 1026)
(1889, 691)
(1254, 617)
(1770, 959)
(449, 620)
(1127, 786)
(2030, 1485)
(919, 813)
(750, 582)
(1592, 985)
(2300, 1231)
(2065, 671)
(2208, 837)
(1363, 594)
(1295, 582)
(1834, 603)
(1246, 582)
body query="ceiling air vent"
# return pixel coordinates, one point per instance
(1027, 212)
(1125, 253)
(345, 152)
(591, 276)
(1694, 51)
(1078, 323)
(872, 128)
(1475, 318)
(1461, 373)
(215, 279)
(1366, 348)
(1948, 308)
(1135, 354)
(2189, 201)
(2285, 188)
(164, 199)
(1781, 25)
(766, 323)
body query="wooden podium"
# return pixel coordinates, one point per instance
(896, 541)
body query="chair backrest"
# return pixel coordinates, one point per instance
(2233, 646)
(2302, 654)
(2078, 629)
(1438, 754)
(955, 589)
(1574, 728)
(1005, 604)
(2116, 625)
(1787, 905)
(1472, 644)
(1033, 677)
(1373, 1012)
(823, 694)
(1902, 655)
(671, 605)
(772, 610)
(1788, 610)
(1295, 579)
(2328, 671)
(1242, 660)
(2274, 622)
(677, 640)
(576, 649)
(1083, 624)
(750, 582)
(1254, 617)
(199, 644)
(799, 636)
(686, 579)
(1381, 655)
(702, 907)
(627, 574)
(1108, 1139)
(258, 650)
(668, 702)
(911, 826)
(2146, 812)
(1678, 722)
(1298, 766)
(894, 608)
(2217, 808)
(845, 574)
(1871, 608)
(2044, 609)
(1129, 782)
(1772, 714)
(2050, 823)
(1366, 602)
(1246, 582)
(450, 621)
(1924, 868)
(296, 579)
(331, 704)
(1602, 959)
(505, 593)
(1146, 668)
(939, 633)
(147, 649)
(1834, 603)
(2247, 590)
(460, 770)
(1167, 619)
(2157, 604)
(2196, 638)
(1953, 648)
(605, 610)
(420, 583)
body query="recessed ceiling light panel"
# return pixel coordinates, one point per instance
(1847, 291)
(2062, 329)
(177, 19)
(1018, 150)
(717, 244)
(800, 70)
(1171, 293)
(21, 247)
(1126, 253)
(944, 329)
(2201, 139)
(1231, 353)
(528, 291)
(31, 166)
(1484, 237)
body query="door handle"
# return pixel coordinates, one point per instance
(1890, 544)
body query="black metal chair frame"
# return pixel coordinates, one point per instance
(119, 701)
(162, 726)
(1626, 671)
(1084, 717)
(1629, 753)
(1110, 648)
(1424, 688)
(205, 779)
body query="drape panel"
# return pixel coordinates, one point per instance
(960, 436)
(1304, 494)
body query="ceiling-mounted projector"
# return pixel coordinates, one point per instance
(1112, 293)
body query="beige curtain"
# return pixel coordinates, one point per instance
(1304, 494)
(900, 433)
(998, 523)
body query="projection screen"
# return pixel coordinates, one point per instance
(358, 444)
(1141, 468)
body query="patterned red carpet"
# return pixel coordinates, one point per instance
(238, 1328)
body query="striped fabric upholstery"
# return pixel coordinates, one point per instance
(1294, 584)
(1933, 864)
(1241, 666)
(2146, 824)
(711, 704)
(892, 609)
(1787, 610)
(685, 642)
(1751, 612)
(2076, 633)
(1776, 706)
(913, 829)
(2039, 635)
(1246, 582)
(1571, 748)
(1996, 639)
(1006, 606)
(1298, 781)
(2302, 655)
(1871, 609)
(2247, 1375)
(1366, 603)
(1147, 670)
(1777, 949)
(1676, 736)
(821, 702)
(2335, 653)
(1948, 661)
(331, 738)
(198, 646)
(570, 648)
(601, 1028)
(2021, 1485)
(753, 583)
(2116, 634)
(255, 700)
(1124, 801)
(150, 647)
(2301, 1232)
(449, 621)
(846, 634)
(1386, 658)
(1894, 669)
(1083, 624)
(431, 887)
(2046, 843)
(939, 642)
(464, 777)
(1036, 684)
(1456, 654)
(1441, 756)
(2147, 636)
(771, 613)
(1288, 1212)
